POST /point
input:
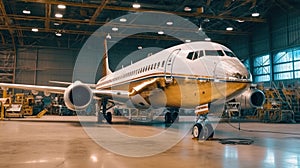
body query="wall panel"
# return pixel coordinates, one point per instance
(294, 29)
(240, 46)
(38, 66)
(260, 43)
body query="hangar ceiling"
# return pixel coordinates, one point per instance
(81, 18)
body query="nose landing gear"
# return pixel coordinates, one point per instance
(202, 130)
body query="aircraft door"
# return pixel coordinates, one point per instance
(169, 65)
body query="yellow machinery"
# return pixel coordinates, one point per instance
(3, 101)
(278, 106)
(21, 106)
(42, 113)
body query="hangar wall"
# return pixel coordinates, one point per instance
(279, 34)
(39, 65)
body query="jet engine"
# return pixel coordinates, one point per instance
(78, 96)
(251, 98)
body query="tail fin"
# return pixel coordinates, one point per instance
(105, 66)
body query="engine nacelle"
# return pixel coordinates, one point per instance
(78, 96)
(251, 98)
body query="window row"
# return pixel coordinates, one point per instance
(141, 70)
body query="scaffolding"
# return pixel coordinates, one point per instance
(7, 65)
(281, 104)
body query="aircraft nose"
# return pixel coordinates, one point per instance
(232, 69)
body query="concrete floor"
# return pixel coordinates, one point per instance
(45, 143)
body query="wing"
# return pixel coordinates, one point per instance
(77, 96)
(49, 89)
(118, 94)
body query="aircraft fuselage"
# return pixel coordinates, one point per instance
(185, 75)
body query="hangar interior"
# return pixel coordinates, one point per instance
(40, 42)
(38, 46)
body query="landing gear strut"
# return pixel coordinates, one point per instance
(171, 116)
(202, 130)
(106, 115)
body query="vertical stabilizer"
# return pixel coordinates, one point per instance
(105, 65)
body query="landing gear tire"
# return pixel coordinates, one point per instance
(196, 130)
(175, 117)
(203, 132)
(168, 118)
(108, 117)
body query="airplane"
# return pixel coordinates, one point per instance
(183, 76)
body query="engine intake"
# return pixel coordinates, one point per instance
(78, 96)
(251, 98)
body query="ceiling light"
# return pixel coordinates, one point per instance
(229, 28)
(207, 39)
(56, 24)
(169, 23)
(34, 29)
(136, 5)
(255, 14)
(61, 6)
(58, 34)
(160, 32)
(25, 11)
(187, 9)
(123, 20)
(58, 15)
(187, 40)
(240, 21)
(114, 29)
(206, 20)
(140, 47)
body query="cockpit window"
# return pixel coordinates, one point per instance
(195, 55)
(199, 54)
(228, 53)
(214, 53)
(190, 55)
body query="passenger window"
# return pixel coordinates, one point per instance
(158, 64)
(163, 63)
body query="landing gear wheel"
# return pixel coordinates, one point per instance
(196, 130)
(207, 132)
(108, 117)
(203, 132)
(175, 117)
(168, 118)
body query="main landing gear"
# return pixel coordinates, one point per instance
(203, 130)
(171, 116)
(106, 115)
